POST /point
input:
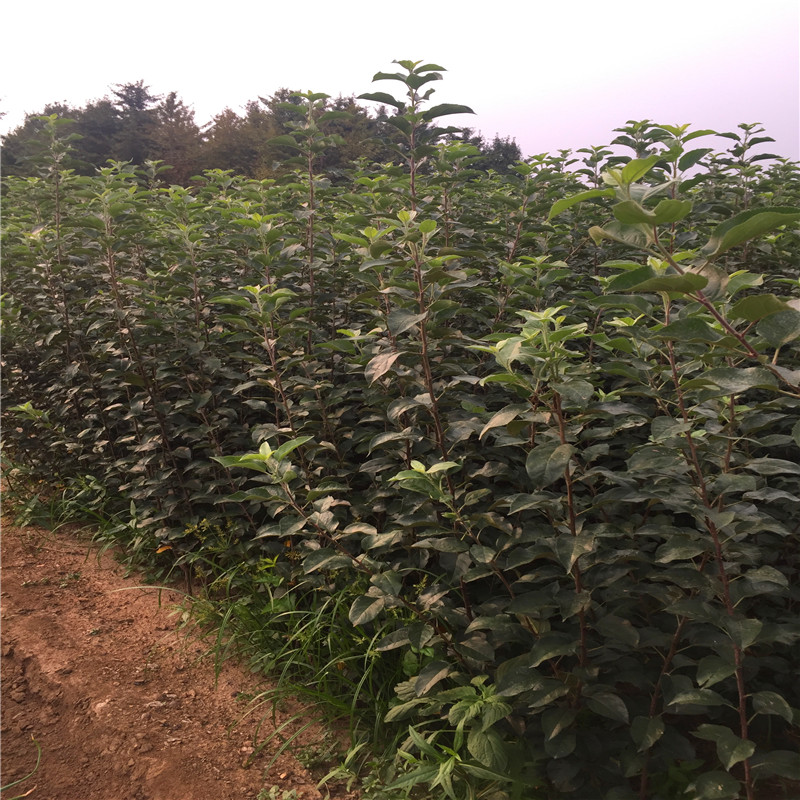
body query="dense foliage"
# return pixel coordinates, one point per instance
(504, 465)
(137, 126)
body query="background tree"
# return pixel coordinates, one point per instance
(176, 139)
(138, 117)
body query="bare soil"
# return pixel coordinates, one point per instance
(95, 670)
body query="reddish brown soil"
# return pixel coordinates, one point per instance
(95, 671)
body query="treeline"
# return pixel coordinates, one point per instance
(133, 124)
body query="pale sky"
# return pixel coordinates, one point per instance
(553, 74)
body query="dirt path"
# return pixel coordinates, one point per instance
(118, 701)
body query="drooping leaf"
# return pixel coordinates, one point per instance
(781, 327)
(380, 365)
(608, 705)
(365, 609)
(546, 463)
(767, 702)
(430, 675)
(400, 320)
(646, 731)
(756, 306)
(730, 748)
(747, 225)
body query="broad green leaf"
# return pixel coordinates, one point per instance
(570, 548)
(365, 609)
(556, 720)
(730, 748)
(690, 329)
(639, 236)
(400, 320)
(735, 380)
(487, 748)
(575, 394)
(714, 786)
(713, 669)
(561, 746)
(756, 306)
(380, 365)
(608, 705)
(637, 168)
(398, 638)
(430, 675)
(679, 548)
(772, 703)
(325, 559)
(785, 763)
(551, 645)
(568, 202)
(747, 225)
(686, 283)
(443, 109)
(780, 328)
(280, 453)
(666, 212)
(384, 98)
(646, 731)
(427, 226)
(547, 462)
(744, 631)
(688, 160)
(617, 629)
(503, 417)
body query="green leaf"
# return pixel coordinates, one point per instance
(666, 212)
(384, 98)
(713, 669)
(608, 705)
(547, 462)
(487, 748)
(567, 202)
(365, 609)
(503, 417)
(686, 283)
(744, 631)
(747, 225)
(639, 236)
(430, 675)
(714, 786)
(734, 380)
(400, 320)
(688, 160)
(637, 168)
(556, 720)
(325, 559)
(756, 306)
(444, 109)
(784, 763)
(646, 731)
(551, 645)
(772, 703)
(380, 365)
(287, 447)
(427, 226)
(690, 329)
(780, 328)
(730, 748)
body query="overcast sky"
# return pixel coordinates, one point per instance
(553, 74)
